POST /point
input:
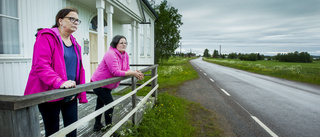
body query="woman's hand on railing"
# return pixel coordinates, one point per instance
(136, 74)
(68, 84)
(140, 75)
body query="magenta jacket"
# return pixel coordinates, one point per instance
(113, 64)
(48, 69)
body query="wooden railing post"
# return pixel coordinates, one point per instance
(134, 99)
(20, 123)
(154, 83)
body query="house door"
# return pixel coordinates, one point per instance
(94, 51)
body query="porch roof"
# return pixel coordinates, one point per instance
(125, 16)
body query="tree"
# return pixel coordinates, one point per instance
(294, 57)
(167, 33)
(215, 54)
(206, 53)
(232, 55)
(248, 57)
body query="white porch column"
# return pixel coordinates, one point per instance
(134, 41)
(109, 11)
(100, 4)
(137, 55)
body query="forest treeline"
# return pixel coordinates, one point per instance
(304, 57)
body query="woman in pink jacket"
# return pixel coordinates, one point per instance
(115, 63)
(57, 64)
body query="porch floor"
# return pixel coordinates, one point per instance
(119, 112)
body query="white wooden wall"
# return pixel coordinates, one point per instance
(13, 75)
(14, 70)
(34, 14)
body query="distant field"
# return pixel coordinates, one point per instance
(303, 72)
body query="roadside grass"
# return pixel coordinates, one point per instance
(174, 116)
(171, 75)
(302, 72)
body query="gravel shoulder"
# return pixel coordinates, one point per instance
(208, 117)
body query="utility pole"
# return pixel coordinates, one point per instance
(220, 51)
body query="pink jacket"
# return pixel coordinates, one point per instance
(48, 69)
(113, 64)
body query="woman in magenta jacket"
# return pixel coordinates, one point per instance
(57, 64)
(115, 63)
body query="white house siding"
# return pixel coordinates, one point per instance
(131, 5)
(34, 14)
(13, 79)
(148, 56)
(14, 69)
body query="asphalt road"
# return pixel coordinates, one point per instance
(258, 105)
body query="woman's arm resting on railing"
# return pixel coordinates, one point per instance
(68, 84)
(136, 74)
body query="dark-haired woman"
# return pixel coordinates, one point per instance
(57, 64)
(115, 63)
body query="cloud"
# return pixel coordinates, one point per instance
(250, 26)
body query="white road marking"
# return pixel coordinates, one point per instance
(243, 108)
(200, 69)
(264, 127)
(205, 74)
(259, 122)
(225, 92)
(212, 80)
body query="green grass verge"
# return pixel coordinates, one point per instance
(173, 116)
(302, 72)
(169, 117)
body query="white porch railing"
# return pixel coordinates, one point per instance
(24, 108)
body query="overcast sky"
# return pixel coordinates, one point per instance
(250, 26)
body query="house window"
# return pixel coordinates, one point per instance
(141, 40)
(148, 40)
(94, 25)
(129, 41)
(9, 27)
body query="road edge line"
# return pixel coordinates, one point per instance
(264, 126)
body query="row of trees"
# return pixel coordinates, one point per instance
(247, 57)
(189, 54)
(214, 55)
(294, 57)
(284, 57)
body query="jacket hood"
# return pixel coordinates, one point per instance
(53, 31)
(117, 51)
(56, 33)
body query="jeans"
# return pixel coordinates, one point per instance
(50, 114)
(104, 98)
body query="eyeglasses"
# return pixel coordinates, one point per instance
(123, 43)
(74, 20)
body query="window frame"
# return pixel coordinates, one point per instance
(149, 40)
(129, 40)
(141, 41)
(19, 35)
